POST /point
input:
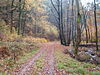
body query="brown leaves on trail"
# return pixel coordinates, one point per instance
(4, 51)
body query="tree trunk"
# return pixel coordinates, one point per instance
(96, 33)
(12, 4)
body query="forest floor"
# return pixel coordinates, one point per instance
(50, 60)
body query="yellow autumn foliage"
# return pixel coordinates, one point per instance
(32, 39)
(13, 36)
(83, 42)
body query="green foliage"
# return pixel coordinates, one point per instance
(61, 66)
(78, 20)
(79, 70)
(95, 73)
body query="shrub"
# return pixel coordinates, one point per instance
(31, 39)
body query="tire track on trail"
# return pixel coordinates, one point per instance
(27, 67)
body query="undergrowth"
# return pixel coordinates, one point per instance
(73, 66)
(22, 54)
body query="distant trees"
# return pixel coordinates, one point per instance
(59, 11)
(32, 17)
(69, 26)
(9, 13)
(27, 17)
(74, 21)
(92, 21)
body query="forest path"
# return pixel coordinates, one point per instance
(49, 67)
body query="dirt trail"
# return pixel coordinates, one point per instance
(27, 67)
(49, 68)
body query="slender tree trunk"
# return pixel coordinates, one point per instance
(62, 26)
(96, 33)
(86, 35)
(19, 22)
(12, 4)
(24, 19)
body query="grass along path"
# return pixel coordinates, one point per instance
(73, 67)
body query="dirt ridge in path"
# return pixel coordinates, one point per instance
(28, 65)
(48, 68)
